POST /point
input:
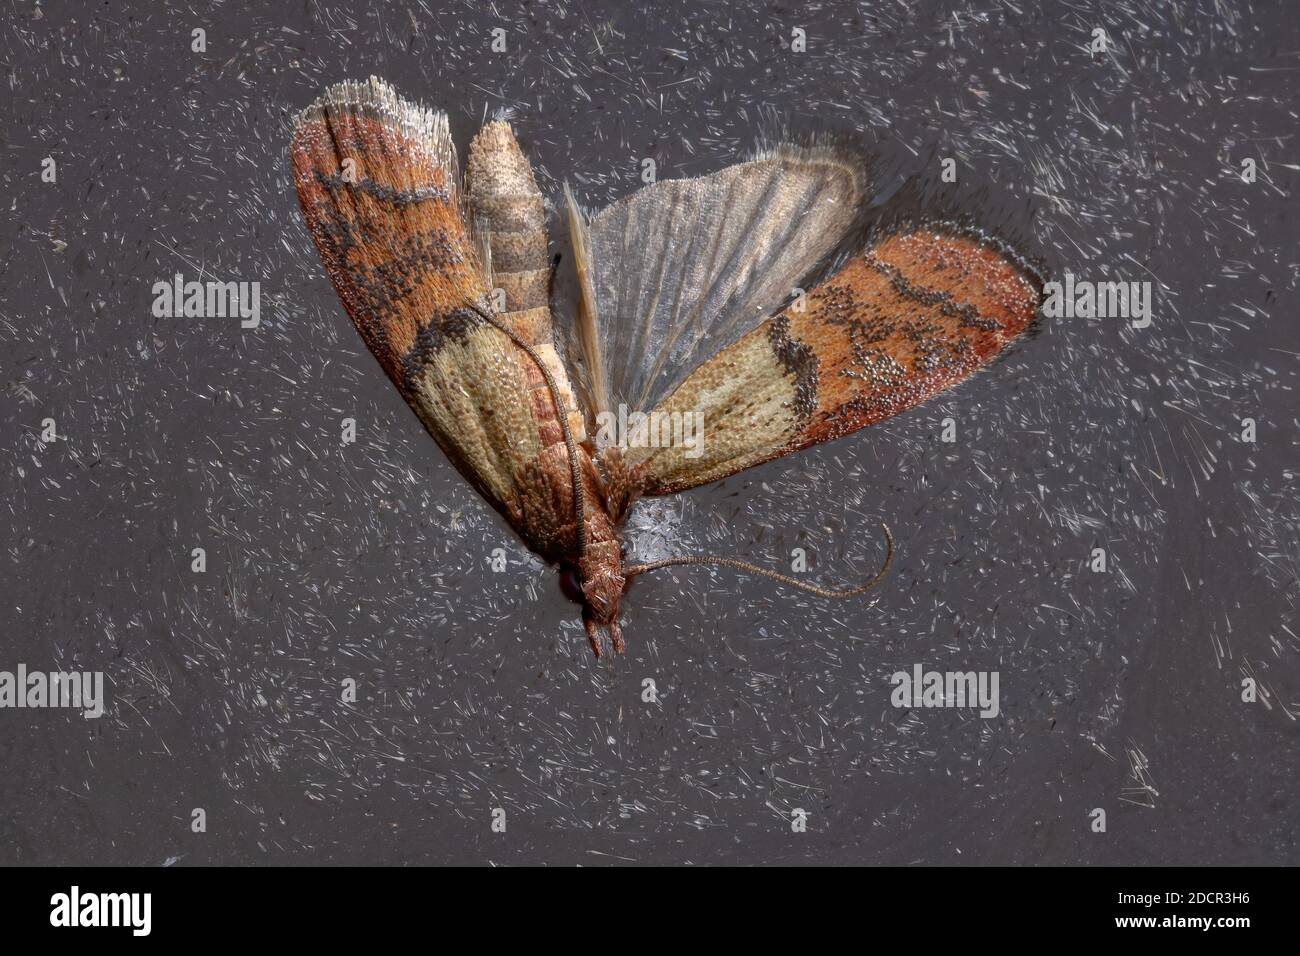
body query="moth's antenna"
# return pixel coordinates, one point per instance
(636, 569)
(575, 467)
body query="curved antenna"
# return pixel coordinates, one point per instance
(636, 569)
(575, 466)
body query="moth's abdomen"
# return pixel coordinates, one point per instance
(507, 210)
(510, 218)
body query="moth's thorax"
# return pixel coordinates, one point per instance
(621, 482)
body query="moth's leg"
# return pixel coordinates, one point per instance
(616, 636)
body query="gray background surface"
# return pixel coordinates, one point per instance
(1119, 690)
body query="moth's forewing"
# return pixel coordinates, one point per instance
(920, 310)
(377, 179)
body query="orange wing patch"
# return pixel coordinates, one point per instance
(918, 313)
(390, 233)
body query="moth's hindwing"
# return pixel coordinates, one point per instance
(378, 184)
(685, 267)
(920, 310)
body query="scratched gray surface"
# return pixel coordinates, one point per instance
(1119, 690)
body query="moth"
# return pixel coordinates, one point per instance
(690, 301)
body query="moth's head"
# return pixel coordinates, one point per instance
(599, 591)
